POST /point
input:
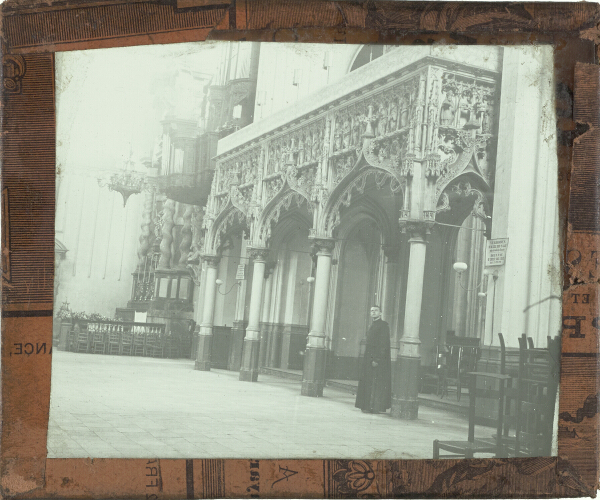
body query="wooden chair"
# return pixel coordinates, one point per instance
(172, 347)
(139, 343)
(98, 343)
(113, 345)
(81, 340)
(71, 339)
(538, 385)
(479, 389)
(155, 345)
(436, 375)
(509, 365)
(461, 359)
(126, 347)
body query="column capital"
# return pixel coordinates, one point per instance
(323, 246)
(416, 228)
(257, 254)
(211, 260)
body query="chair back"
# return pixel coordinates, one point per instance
(509, 358)
(114, 335)
(538, 385)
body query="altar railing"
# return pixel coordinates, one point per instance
(126, 338)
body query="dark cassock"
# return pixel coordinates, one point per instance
(374, 392)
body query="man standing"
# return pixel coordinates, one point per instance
(374, 393)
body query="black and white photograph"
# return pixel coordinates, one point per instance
(296, 250)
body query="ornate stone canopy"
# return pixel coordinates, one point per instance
(417, 130)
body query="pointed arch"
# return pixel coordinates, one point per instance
(271, 213)
(229, 216)
(466, 194)
(341, 196)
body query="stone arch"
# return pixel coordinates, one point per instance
(221, 224)
(342, 194)
(272, 212)
(285, 225)
(289, 303)
(465, 205)
(463, 195)
(358, 278)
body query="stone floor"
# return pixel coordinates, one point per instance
(119, 406)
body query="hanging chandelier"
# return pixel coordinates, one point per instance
(126, 181)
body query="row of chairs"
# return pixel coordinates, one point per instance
(455, 358)
(150, 341)
(524, 397)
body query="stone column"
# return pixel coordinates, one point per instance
(250, 353)
(205, 335)
(313, 377)
(167, 235)
(185, 244)
(238, 330)
(405, 387)
(390, 299)
(288, 319)
(266, 310)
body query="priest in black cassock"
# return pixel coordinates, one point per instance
(374, 393)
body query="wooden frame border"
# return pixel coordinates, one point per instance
(32, 31)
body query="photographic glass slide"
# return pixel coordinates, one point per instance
(269, 250)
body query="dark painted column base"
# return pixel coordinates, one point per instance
(249, 369)
(264, 340)
(203, 353)
(313, 375)
(237, 341)
(405, 402)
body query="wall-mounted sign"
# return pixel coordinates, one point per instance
(495, 254)
(241, 272)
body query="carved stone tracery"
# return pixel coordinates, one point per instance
(271, 217)
(358, 184)
(436, 116)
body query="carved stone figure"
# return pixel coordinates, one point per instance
(448, 109)
(308, 147)
(383, 120)
(382, 153)
(466, 106)
(277, 163)
(301, 150)
(346, 132)
(337, 136)
(482, 114)
(393, 118)
(355, 131)
(316, 145)
(404, 112)
(395, 148)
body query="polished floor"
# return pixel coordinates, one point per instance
(119, 406)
